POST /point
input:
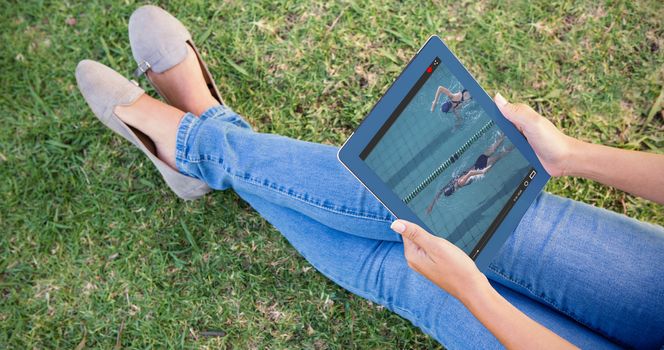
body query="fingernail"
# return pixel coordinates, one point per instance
(398, 226)
(500, 100)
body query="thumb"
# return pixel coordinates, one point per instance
(414, 233)
(519, 114)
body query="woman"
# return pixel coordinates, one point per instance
(456, 99)
(570, 271)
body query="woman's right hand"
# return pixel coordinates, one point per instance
(451, 269)
(553, 148)
(441, 262)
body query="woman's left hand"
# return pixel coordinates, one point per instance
(440, 261)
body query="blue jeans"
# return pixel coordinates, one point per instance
(592, 276)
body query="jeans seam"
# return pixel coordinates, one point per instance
(181, 142)
(546, 300)
(258, 183)
(314, 204)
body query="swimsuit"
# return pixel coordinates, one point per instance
(481, 162)
(447, 106)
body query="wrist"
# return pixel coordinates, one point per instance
(476, 292)
(484, 301)
(576, 157)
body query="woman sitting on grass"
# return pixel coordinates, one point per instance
(569, 274)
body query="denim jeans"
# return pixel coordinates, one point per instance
(590, 275)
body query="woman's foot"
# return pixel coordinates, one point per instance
(148, 124)
(184, 85)
(157, 120)
(163, 49)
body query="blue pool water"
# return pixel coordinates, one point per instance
(419, 141)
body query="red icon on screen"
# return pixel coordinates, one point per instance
(429, 70)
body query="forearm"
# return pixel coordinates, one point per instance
(512, 327)
(639, 173)
(438, 92)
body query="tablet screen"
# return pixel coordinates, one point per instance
(448, 161)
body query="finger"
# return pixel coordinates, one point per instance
(414, 255)
(518, 113)
(415, 233)
(409, 250)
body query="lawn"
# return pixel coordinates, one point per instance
(95, 251)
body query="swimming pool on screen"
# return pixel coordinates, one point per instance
(411, 154)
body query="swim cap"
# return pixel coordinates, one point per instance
(446, 107)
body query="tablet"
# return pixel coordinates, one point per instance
(435, 150)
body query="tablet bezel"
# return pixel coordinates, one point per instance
(349, 153)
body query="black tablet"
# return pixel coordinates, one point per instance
(435, 150)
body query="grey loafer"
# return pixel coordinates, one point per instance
(159, 42)
(103, 90)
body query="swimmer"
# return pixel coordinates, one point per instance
(482, 165)
(454, 102)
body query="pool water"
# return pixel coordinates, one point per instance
(419, 141)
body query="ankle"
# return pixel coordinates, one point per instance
(203, 105)
(158, 121)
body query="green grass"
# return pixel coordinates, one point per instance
(95, 251)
